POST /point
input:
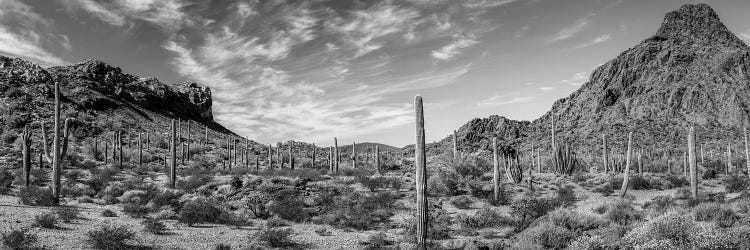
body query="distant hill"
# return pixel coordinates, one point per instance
(692, 72)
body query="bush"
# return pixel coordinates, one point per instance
(46, 220)
(110, 237)
(275, 238)
(376, 242)
(323, 231)
(443, 183)
(660, 204)
(571, 220)
(35, 196)
(154, 226)
(276, 222)
(527, 209)
(669, 231)
(723, 217)
(199, 211)
(372, 183)
(484, 218)
(566, 196)
(713, 168)
(19, 239)
(289, 208)
(67, 214)
(194, 182)
(438, 226)
(546, 236)
(462, 202)
(637, 182)
(135, 210)
(735, 183)
(6, 179)
(622, 212)
(222, 246)
(109, 213)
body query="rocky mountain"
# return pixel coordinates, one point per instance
(101, 97)
(692, 72)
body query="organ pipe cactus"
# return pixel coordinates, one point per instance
(693, 165)
(421, 179)
(566, 161)
(513, 170)
(26, 146)
(626, 175)
(173, 156)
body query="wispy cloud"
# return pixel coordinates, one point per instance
(26, 34)
(577, 79)
(597, 40)
(571, 30)
(547, 88)
(168, 15)
(505, 99)
(745, 36)
(454, 48)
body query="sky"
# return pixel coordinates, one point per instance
(318, 69)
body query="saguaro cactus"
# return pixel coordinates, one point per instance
(377, 158)
(140, 151)
(26, 146)
(187, 151)
(604, 153)
(455, 145)
(173, 156)
(513, 170)
(421, 177)
(119, 146)
(729, 158)
(314, 149)
(354, 155)
(106, 151)
(114, 146)
(626, 175)
(495, 170)
(337, 157)
(270, 156)
(291, 155)
(693, 166)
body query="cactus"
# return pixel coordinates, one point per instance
(187, 151)
(291, 156)
(330, 159)
(312, 162)
(377, 158)
(119, 147)
(270, 155)
(513, 170)
(684, 163)
(626, 175)
(354, 155)
(234, 152)
(148, 140)
(693, 167)
(337, 156)
(455, 145)
(566, 161)
(554, 144)
(495, 170)
(96, 149)
(421, 179)
(605, 156)
(26, 146)
(114, 147)
(729, 158)
(173, 156)
(106, 151)
(140, 151)
(640, 162)
(59, 151)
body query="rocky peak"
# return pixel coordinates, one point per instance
(696, 23)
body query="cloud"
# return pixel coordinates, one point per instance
(571, 30)
(577, 79)
(26, 34)
(745, 36)
(547, 88)
(505, 99)
(168, 15)
(454, 48)
(597, 40)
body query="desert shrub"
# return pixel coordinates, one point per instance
(355, 172)
(160, 198)
(669, 231)
(375, 182)
(38, 177)
(444, 182)
(527, 209)
(660, 204)
(19, 239)
(438, 225)
(289, 208)
(609, 186)
(544, 236)
(504, 197)
(722, 216)
(359, 211)
(8, 137)
(102, 178)
(622, 212)
(375, 241)
(484, 218)
(607, 237)
(135, 210)
(682, 193)
(200, 210)
(193, 182)
(706, 197)
(566, 196)
(108, 213)
(35, 196)
(638, 182)
(222, 246)
(6, 179)
(735, 183)
(462, 202)
(275, 238)
(712, 169)
(67, 214)
(46, 220)
(472, 167)
(276, 222)
(676, 181)
(322, 231)
(110, 237)
(153, 226)
(572, 220)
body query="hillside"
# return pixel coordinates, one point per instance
(692, 72)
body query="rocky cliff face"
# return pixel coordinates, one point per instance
(96, 88)
(693, 72)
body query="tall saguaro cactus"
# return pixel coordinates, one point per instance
(455, 145)
(26, 146)
(314, 149)
(729, 158)
(377, 158)
(421, 178)
(693, 165)
(354, 155)
(114, 146)
(173, 156)
(119, 146)
(495, 170)
(626, 174)
(270, 156)
(604, 153)
(291, 155)
(140, 151)
(337, 157)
